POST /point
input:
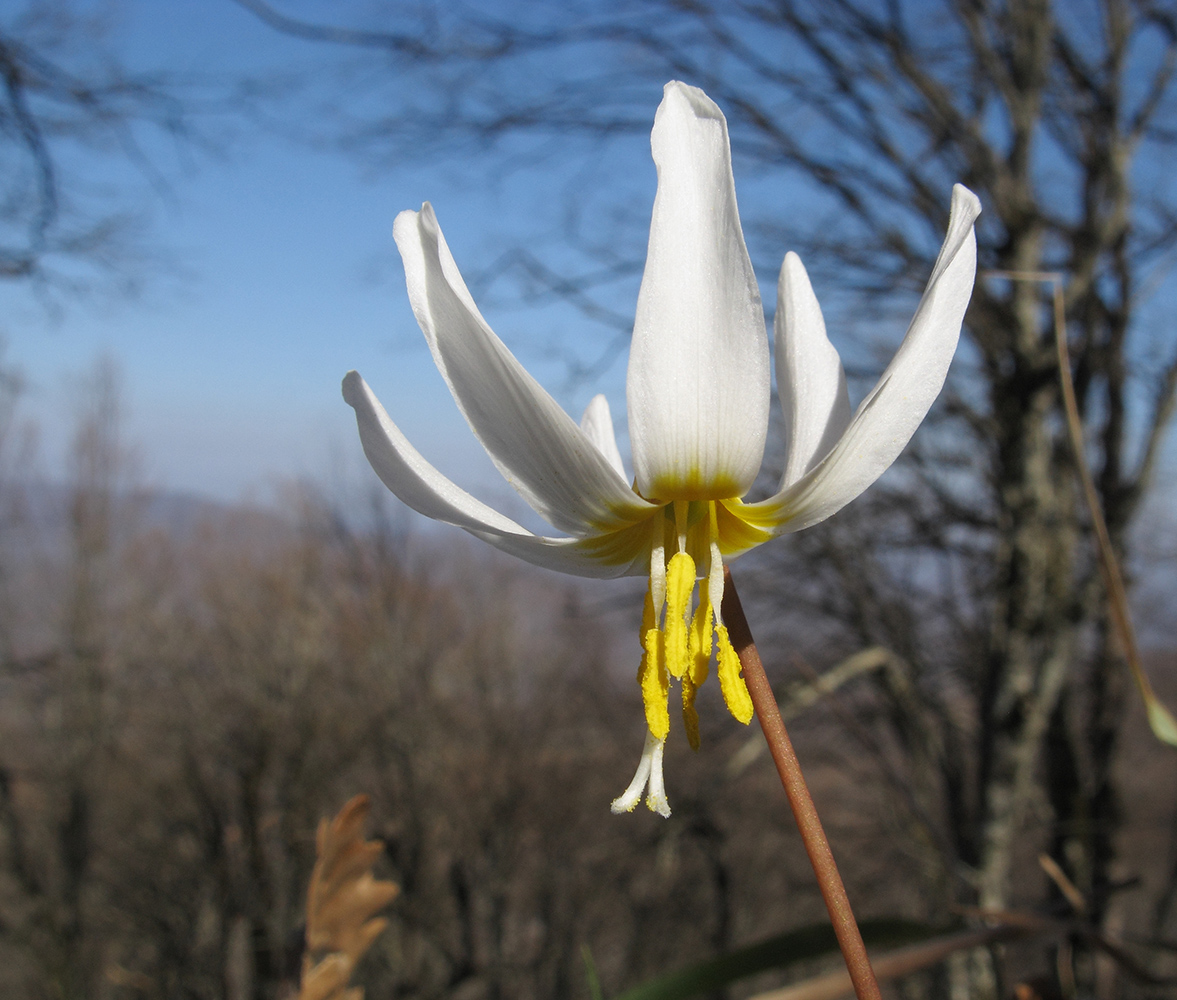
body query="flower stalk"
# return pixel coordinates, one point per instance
(800, 801)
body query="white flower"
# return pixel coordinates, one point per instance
(698, 396)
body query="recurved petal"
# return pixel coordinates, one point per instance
(810, 379)
(534, 443)
(597, 424)
(416, 482)
(887, 418)
(698, 383)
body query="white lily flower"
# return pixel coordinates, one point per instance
(698, 395)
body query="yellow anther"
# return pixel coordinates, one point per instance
(699, 657)
(680, 581)
(648, 622)
(655, 685)
(699, 644)
(690, 717)
(731, 684)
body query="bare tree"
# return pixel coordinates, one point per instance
(157, 801)
(70, 110)
(1062, 118)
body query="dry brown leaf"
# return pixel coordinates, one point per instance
(341, 900)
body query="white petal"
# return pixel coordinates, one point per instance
(416, 482)
(597, 424)
(889, 415)
(534, 443)
(809, 374)
(698, 383)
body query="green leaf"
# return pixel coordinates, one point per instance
(1160, 720)
(777, 952)
(590, 973)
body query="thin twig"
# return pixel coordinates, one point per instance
(804, 811)
(1064, 884)
(801, 696)
(898, 963)
(1160, 720)
(1158, 716)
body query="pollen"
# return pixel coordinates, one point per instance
(690, 716)
(731, 683)
(652, 676)
(678, 644)
(698, 664)
(680, 583)
(699, 645)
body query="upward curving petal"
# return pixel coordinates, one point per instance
(597, 424)
(534, 443)
(887, 418)
(810, 379)
(698, 382)
(416, 482)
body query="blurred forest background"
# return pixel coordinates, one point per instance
(185, 688)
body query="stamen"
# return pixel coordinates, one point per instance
(690, 717)
(731, 684)
(727, 663)
(649, 617)
(699, 659)
(655, 684)
(680, 582)
(658, 577)
(652, 676)
(699, 645)
(681, 509)
(715, 570)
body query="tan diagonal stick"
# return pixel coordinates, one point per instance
(804, 812)
(1160, 720)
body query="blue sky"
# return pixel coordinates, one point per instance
(287, 278)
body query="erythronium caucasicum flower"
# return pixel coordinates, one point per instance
(698, 396)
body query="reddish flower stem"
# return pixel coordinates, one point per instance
(804, 811)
